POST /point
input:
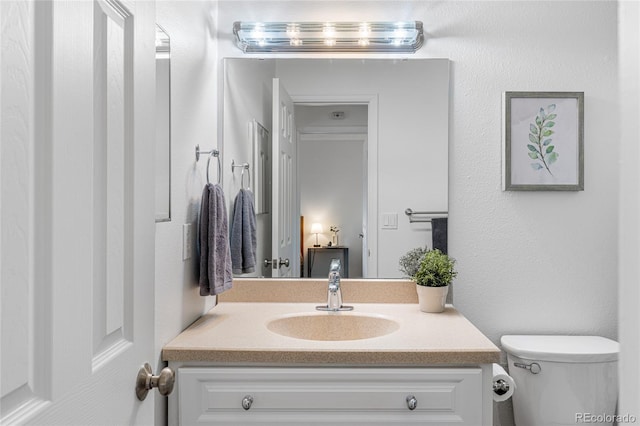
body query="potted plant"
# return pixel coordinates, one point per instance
(432, 272)
(410, 261)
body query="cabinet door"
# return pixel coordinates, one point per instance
(330, 396)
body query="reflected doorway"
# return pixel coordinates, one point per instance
(332, 185)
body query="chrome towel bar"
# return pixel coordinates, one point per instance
(423, 216)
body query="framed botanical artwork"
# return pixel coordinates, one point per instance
(543, 147)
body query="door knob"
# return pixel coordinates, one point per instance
(276, 263)
(147, 381)
(284, 262)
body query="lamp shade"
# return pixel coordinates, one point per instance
(316, 228)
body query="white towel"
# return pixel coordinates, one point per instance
(215, 253)
(243, 233)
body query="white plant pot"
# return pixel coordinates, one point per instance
(432, 299)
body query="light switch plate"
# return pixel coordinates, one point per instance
(389, 220)
(187, 241)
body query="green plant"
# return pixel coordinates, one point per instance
(436, 269)
(410, 261)
(540, 147)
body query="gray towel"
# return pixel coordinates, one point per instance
(243, 233)
(215, 254)
(439, 234)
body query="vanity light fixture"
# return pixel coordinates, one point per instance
(316, 228)
(351, 37)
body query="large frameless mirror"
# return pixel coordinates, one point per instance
(370, 142)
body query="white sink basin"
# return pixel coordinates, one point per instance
(332, 326)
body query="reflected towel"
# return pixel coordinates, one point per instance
(439, 234)
(243, 233)
(215, 254)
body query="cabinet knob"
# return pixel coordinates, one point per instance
(247, 401)
(412, 402)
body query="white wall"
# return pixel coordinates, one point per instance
(247, 97)
(531, 262)
(629, 48)
(194, 100)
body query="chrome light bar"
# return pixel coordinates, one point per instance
(354, 37)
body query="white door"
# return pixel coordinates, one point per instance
(77, 210)
(285, 218)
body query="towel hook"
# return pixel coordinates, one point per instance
(212, 153)
(244, 166)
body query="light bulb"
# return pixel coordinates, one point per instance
(293, 30)
(329, 30)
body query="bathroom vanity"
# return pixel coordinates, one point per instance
(264, 355)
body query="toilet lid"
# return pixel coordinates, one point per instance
(562, 348)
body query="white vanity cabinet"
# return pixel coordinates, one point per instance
(234, 369)
(326, 396)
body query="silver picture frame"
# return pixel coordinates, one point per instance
(543, 141)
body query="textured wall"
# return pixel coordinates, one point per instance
(194, 103)
(532, 262)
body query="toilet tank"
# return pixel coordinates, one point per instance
(563, 380)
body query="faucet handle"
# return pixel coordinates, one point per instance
(335, 265)
(334, 281)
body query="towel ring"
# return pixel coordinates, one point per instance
(212, 153)
(244, 166)
(248, 178)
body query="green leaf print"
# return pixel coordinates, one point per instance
(539, 133)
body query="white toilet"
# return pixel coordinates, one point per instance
(563, 380)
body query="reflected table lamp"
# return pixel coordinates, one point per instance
(316, 228)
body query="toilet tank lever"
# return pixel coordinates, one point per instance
(534, 367)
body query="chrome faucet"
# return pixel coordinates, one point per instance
(334, 295)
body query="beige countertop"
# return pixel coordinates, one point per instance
(235, 332)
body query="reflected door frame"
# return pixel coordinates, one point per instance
(370, 231)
